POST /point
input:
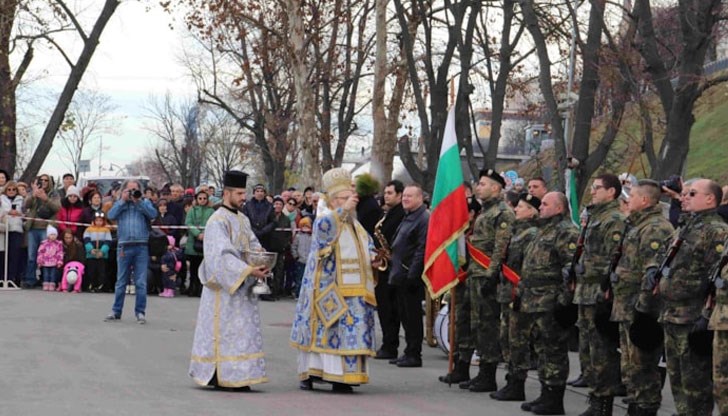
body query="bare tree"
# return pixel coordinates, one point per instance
(179, 151)
(89, 117)
(225, 145)
(9, 81)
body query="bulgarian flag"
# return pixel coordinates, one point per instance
(445, 247)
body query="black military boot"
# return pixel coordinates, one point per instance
(599, 406)
(460, 373)
(513, 391)
(529, 405)
(640, 411)
(485, 380)
(552, 402)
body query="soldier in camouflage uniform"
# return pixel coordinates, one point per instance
(645, 236)
(491, 234)
(524, 231)
(719, 324)
(542, 289)
(463, 341)
(604, 232)
(683, 292)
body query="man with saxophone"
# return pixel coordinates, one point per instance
(385, 293)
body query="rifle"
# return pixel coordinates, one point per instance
(571, 280)
(611, 277)
(663, 270)
(716, 282)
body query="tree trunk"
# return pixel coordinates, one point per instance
(8, 85)
(501, 83)
(382, 146)
(557, 129)
(77, 71)
(310, 146)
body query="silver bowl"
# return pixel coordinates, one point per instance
(261, 258)
(257, 259)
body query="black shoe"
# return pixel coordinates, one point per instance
(341, 388)
(394, 361)
(306, 384)
(409, 362)
(383, 354)
(243, 389)
(512, 392)
(552, 401)
(580, 382)
(621, 391)
(267, 298)
(112, 317)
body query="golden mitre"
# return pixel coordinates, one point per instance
(336, 180)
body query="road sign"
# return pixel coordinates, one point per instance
(84, 165)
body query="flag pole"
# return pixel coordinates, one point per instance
(451, 336)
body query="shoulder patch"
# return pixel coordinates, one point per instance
(504, 225)
(572, 246)
(616, 236)
(655, 245)
(719, 248)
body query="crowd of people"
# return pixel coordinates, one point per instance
(48, 227)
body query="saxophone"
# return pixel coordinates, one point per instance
(384, 252)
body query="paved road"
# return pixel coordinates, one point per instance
(60, 358)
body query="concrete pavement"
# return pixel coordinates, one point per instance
(60, 358)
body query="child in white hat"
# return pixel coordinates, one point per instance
(50, 258)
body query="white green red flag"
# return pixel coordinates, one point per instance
(445, 248)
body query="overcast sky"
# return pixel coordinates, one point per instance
(136, 58)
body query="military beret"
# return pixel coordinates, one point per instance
(566, 316)
(492, 174)
(701, 342)
(530, 200)
(645, 332)
(603, 323)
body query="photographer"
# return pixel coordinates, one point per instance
(133, 215)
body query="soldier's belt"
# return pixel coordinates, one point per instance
(541, 282)
(483, 260)
(695, 301)
(590, 280)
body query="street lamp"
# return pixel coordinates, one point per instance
(120, 170)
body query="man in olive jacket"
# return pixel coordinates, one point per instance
(408, 263)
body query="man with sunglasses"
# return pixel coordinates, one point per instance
(682, 290)
(42, 205)
(603, 234)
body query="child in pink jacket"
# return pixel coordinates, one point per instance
(50, 258)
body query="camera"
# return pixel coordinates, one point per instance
(135, 193)
(673, 183)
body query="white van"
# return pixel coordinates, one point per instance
(105, 183)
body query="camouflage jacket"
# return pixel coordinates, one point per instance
(603, 234)
(683, 290)
(719, 317)
(550, 251)
(645, 238)
(491, 234)
(524, 231)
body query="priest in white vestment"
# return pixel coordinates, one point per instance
(333, 328)
(227, 351)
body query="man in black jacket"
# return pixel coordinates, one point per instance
(408, 255)
(260, 213)
(385, 293)
(279, 242)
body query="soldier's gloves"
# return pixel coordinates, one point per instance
(487, 286)
(568, 275)
(701, 324)
(651, 278)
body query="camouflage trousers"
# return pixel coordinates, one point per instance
(484, 317)
(550, 341)
(463, 341)
(690, 375)
(603, 354)
(584, 355)
(720, 371)
(505, 322)
(640, 371)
